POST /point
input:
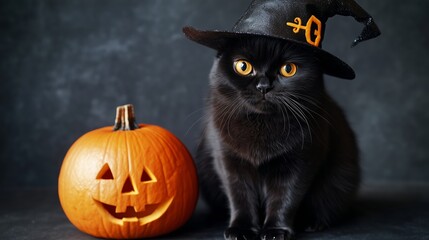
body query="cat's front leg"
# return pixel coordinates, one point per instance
(242, 187)
(284, 189)
(280, 208)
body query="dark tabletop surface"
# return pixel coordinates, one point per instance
(383, 211)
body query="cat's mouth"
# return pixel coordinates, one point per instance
(262, 103)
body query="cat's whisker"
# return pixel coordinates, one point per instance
(301, 114)
(235, 110)
(292, 110)
(284, 120)
(222, 117)
(223, 114)
(311, 112)
(226, 114)
(285, 115)
(303, 109)
(195, 112)
(313, 102)
(307, 99)
(204, 116)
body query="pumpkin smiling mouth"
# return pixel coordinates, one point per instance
(150, 214)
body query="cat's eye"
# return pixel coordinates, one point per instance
(243, 67)
(288, 70)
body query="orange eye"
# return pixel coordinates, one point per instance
(288, 70)
(243, 67)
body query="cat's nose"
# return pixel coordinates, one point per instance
(264, 87)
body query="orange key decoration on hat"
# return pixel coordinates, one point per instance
(308, 34)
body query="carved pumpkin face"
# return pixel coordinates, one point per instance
(128, 184)
(129, 205)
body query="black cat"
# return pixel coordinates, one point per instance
(277, 150)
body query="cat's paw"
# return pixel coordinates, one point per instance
(239, 234)
(277, 234)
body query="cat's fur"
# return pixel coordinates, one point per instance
(278, 161)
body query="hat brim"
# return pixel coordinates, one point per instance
(217, 39)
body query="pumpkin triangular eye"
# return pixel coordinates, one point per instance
(147, 176)
(105, 173)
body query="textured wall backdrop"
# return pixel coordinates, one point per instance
(66, 65)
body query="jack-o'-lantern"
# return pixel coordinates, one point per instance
(132, 181)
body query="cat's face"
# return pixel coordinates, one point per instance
(264, 74)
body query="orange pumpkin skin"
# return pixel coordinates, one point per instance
(128, 184)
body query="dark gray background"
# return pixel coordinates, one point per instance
(66, 65)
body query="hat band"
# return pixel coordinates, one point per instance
(311, 37)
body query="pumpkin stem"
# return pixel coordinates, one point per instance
(125, 119)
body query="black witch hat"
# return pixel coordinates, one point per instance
(298, 21)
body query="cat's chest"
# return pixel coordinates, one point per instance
(258, 139)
